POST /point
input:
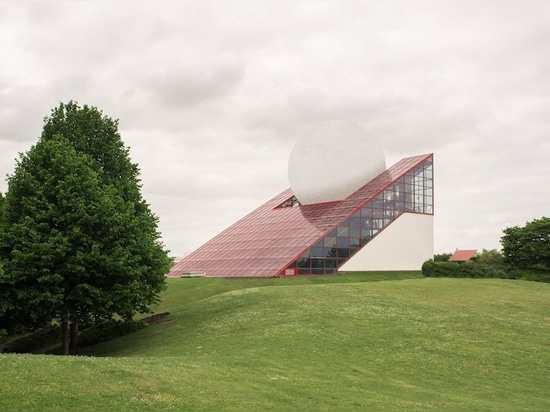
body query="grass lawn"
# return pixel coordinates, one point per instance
(327, 343)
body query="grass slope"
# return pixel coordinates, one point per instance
(412, 344)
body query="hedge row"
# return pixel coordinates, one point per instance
(464, 270)
(481, 270)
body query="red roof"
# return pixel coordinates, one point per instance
(267, 240)
(463, 255)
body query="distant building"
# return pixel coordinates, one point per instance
(384, 223)
(463, 255)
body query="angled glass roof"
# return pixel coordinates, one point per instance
(282, 236)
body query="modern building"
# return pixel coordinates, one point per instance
(385, 224)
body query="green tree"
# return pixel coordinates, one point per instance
(3, 307)
(55, 212)
(489, 257)
(1, 215)
(442, 257)
(4, 319)
(80, 244)
(528, 247)
(95, 135)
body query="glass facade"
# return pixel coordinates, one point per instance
(282, 236)
(411, 193)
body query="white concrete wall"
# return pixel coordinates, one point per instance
(404, 245)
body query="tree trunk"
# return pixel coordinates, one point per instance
(74, 336)
(64, 336)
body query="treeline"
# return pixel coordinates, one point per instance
(525, 255)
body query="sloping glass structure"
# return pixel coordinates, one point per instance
(283, 237)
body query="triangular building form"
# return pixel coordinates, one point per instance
(385, 225)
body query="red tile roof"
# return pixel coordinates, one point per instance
(265, 242)
(463, 255)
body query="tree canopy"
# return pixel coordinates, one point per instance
(55, 214)
(489, 257)
(1, 214)
(93, 134)
(442, 257)
(528, 246)
(96, 135)
(80, 244)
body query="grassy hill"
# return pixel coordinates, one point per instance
(328, 343)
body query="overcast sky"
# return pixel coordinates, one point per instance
(211, 96)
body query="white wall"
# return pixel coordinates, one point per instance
(404, 245)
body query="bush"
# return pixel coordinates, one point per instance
(464, 270)
(536, 275)
(439, 269)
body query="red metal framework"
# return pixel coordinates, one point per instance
(274, 240)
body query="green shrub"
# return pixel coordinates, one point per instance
(464, 270)
(536, 275)
(439, 269)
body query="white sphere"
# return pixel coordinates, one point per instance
(332, 160)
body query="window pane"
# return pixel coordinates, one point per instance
(343, 242)
(343, 231)
(317, 252)
(355, 242)
(366, 211)
(343, 253)
(354, 222)
(330, 241)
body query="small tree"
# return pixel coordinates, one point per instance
(528, 247)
